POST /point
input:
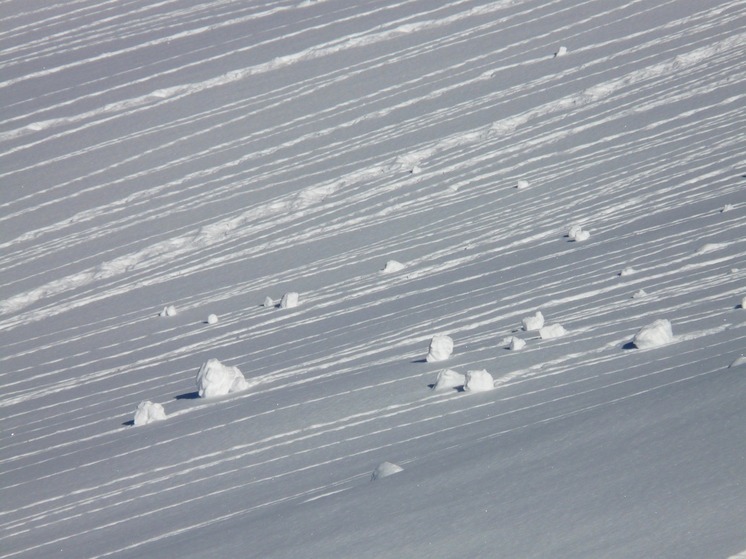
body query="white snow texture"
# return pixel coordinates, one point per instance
(655, 334)
(215, 379)
(441, 347)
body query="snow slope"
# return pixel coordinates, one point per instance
(212, 154)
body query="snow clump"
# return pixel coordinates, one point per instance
(148, 412)
(478, 381)
(743, 302)
(521, 184)
(268, 302)
(289, 300)
(212, 319)
(514, 343)
(628, 271)
(577, 233)
(655, 334)
(392, 266)
(168, 310)
(532, 323)
(739, 362)
(385, 469)
(552, 331)
(639, 294)
(216, 379)
(448, 378)
(727, 208)
(562, 51)
(441, 347)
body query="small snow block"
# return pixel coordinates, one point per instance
(478, 381)
(521, 184)
(169, 310)
(392, 266)
(215, 379)
(552, 331)
(148, 412)
(532, 323)
(562, 51)
(212, 319)
(517, 343)
(655, 334)
(289, 300)
(385, 469)
(268, 302)
(441, 347)
(448, 378)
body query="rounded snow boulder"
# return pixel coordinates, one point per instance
(212, 319)
(216, 379)
(521, 184)
(148, 412)
(289, 300)
(385, 469)
(552, 331)
(532, 323)
(448, 378)
(441, 347)
(655, 334)
(478, 381)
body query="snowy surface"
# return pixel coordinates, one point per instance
(209, 154)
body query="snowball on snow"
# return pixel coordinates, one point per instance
(148, 412)
(656, 334)
(385, 469)
(517, 343)
(552, 331)
(169, 310)
(628, 271)
(478, 381)
(212, 319)
(582, 235)
(392, 266)
(521, 184)
(448, 378)
(531, 323)
(268, 302)
(289, 300)
(562, 51)
(441, 347)
(216, 379)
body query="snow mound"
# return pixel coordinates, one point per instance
(514, 343)
(289, 300)
(628, 271)
(268, 302)
(577, 233)
(656, 334)
(212, 319)
(552, 331)
(478, 381)
(169, 310)
(148, 412)
(639, 294)
(521, 184)
(562, 51)
(441, 347)
(385, 469)
(739, 362)
(532, 323)
(392, 266)
(448, 378)
(216, 379)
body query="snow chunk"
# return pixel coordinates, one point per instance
(656, 334)
(727, 208)
(216, 379)
(562, 51)
(711, 247)
(577, 233)
(448, 378)
(148, 412)
(628, 271)
(739, 362)
(169, 310)
(212, 319)
(552, 331)
(268, 302)
(743, 302)
(441, 347)
(532, 323)
(521, 184)
(392, 266)
(517, 343)
(639, 294)
(478, 381)
(416, 170)
(385, 469)
(289, 300)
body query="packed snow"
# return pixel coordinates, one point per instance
(207, 157)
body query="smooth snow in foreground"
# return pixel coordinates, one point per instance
(343, 183)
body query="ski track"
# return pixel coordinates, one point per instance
(637, 133)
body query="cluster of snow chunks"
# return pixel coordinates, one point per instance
(473, 381)
(536, 324)
(215, 379)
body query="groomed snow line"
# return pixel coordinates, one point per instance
(148, 412)
(215, 379)
(441, 347)
(655, 334)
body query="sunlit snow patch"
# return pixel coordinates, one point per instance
(552, 331)
(392, 266)
(533, 323)
(448, 378)
(289, 300)
(385, 469)
(216, 379)
(441, 347)
(656, 334)
(169, 310)
(478, 381)
(148, 412)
